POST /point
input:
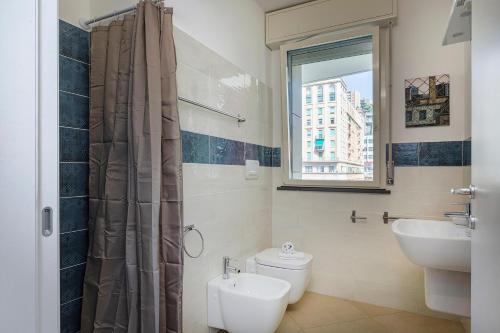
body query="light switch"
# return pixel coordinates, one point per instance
(251, 169)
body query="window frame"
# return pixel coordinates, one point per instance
(379, 91)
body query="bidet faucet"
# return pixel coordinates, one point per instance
(226, 269)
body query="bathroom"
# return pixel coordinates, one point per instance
(313, 247)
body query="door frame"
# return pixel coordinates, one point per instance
(48, 287)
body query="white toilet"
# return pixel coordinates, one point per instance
(296, 271)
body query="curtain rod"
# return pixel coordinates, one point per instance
(86, 23)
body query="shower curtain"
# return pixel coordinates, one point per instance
(133, 278)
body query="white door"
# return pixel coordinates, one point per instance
(486, 165)
(29, 274)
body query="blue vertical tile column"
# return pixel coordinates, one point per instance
(73, 169)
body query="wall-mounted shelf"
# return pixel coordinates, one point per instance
(459, 23)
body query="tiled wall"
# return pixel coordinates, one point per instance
(234, 214)
(74, 157)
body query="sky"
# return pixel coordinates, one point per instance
(362, 82)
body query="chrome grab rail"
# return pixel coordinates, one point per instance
(354, 218)
(388, 218)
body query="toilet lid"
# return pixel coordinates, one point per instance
(270, 257)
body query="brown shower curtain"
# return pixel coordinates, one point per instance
(133, 278)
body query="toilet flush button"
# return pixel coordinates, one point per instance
(251, 169)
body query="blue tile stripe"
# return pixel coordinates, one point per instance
(207, 149)
(442, 153)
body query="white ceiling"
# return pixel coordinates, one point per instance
(270, 5)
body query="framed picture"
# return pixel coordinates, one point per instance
(427, 101)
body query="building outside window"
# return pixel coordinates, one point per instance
(320, 94)
(308, 96)
(331, 94)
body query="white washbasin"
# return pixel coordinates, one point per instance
(435, 244)
(247, 303)
(443, 250)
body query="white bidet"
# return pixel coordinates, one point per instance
(247, 303)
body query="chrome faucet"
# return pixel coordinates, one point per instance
(226, 268)
(466, 215)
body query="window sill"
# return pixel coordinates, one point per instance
(334, 189)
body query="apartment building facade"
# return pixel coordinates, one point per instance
(333, 131)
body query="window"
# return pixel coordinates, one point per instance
(308, 122)
(346, 69)
(321, 169)
(320, 94)
(331, 93)
(308, 95)
(308, 112)
(308, 168)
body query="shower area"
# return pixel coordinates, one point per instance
(120, 175)
(126, 166)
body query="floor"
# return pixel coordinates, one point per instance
(324, 314)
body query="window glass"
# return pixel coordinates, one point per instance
(344, 71)
(331, 93)
(320, 94)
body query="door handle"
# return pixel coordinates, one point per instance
(47, 221)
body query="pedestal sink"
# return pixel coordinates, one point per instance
(443, 250)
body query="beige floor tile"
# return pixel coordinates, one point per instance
(316, 310)
(288, 325)
(405, 322)
(357, 326)
(374, 310)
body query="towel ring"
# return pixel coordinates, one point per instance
(187, 229)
